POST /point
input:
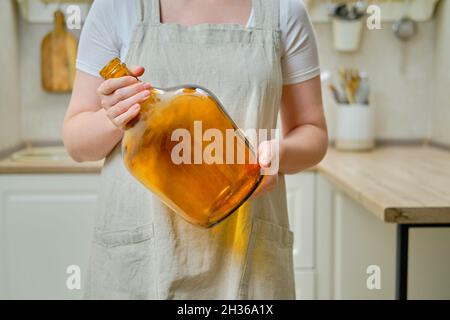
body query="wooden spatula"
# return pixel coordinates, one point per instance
(58, 54)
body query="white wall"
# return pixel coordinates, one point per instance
(400, 76)
(10, 134)
(42, 112)
(441, 114)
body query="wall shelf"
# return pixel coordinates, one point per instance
(391, 10)
(41, 11)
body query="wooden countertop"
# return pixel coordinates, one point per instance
(398, 184)
(39, 164)
(9, 166)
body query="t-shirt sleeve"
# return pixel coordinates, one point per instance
(99, 41)
(300, 59)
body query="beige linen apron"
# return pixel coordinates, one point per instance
(143, 250)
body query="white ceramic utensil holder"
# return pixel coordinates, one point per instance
(347, 34)
(355, 128)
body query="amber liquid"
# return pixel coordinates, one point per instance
(203, 194)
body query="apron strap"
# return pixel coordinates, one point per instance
(149, 11)
(267, 14)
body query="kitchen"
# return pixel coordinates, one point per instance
(370, 221)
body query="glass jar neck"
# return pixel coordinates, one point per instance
(114, 69)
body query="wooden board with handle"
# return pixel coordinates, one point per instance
(58, 55)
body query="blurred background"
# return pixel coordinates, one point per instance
(385, 74)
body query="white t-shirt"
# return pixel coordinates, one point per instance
(108, 30)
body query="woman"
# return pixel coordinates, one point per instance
(259, 57)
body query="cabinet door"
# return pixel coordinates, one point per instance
(45, 227)
(300, 196)
(305, 284)
(361, 240)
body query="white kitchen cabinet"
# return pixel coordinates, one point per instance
(361, 242)
(324, 237)
(350, 241)
(300, 197)
(45, 227)
(305, 287)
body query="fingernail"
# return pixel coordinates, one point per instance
(136, 106)
(146, 93)
(146, 85)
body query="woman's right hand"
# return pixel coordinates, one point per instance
(121, 97)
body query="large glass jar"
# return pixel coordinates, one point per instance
(173, 148)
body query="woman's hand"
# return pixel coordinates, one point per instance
(268, 159)
(121, 97)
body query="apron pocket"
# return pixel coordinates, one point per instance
(270, 273)
(122, 265)
(123, 237)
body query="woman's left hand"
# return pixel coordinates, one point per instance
(268, 159)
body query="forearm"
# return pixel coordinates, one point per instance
(90, 136)
(302, 148)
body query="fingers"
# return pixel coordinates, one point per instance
(124, 93)
(111, 85)
(267, 184)
(122, 106)
(121, 120)
(264, 156)
(136, 71)
(121, 97)
(266, 153)
(269, 156)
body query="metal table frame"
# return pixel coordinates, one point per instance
(401, 290)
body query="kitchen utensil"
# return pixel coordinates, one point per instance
(335, 92)
(342, 95)
(58, 55)
(204, 193)
(363, 90)
(344, 84)
(356, 80)
(350, 82)
(405, 28)
(346, 12)
(342, 75)
(341, 11)
(360, 8)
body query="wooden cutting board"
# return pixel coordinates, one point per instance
(58, 55)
